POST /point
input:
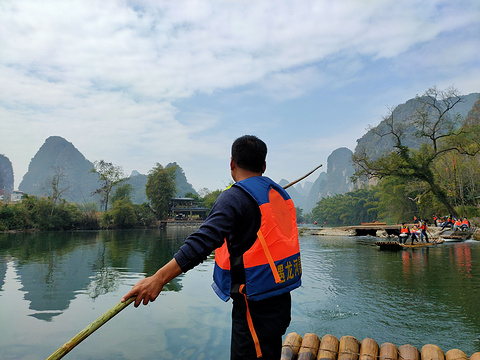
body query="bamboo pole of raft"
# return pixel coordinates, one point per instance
(303, 177)
(309, 348)
(291, 346)
(432, 352)
(329, 348)
(408, 352)
(368, 349)
(388, 351)
(82, 335)
(454, 354)
(348, 348)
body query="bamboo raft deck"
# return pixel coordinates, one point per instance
(394, 245)
(349, 348)
(458, 235)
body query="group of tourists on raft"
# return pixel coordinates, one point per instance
(450, 221)
(419, 230)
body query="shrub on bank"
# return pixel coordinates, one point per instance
(35, 213)
(41, 214)
(125, 215)
(64, 216)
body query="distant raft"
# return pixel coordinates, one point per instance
(394, 245)
(349, 348)
(457, 235)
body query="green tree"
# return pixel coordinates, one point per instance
(198, 201)
(123, 214)
(210, 198)
(56, 187)
(347, 209)
(145, 215)
(398, 199)
(67, 216)
(123, 192)
(14, 217)
(193, 196)
(25, 212)
(109, 176)
(459, 173)
(160, 189)
(441, 132)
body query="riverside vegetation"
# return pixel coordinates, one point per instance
(39, 213)
(119, 212)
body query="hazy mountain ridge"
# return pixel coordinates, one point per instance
(6, 174)
(58, 156)
(376, 146)
(182, 185)
(336, 180)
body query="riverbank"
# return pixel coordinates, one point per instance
(380, 231)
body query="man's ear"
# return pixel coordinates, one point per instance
(232, 164)
(264, 167)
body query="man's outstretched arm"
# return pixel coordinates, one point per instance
(148, 289)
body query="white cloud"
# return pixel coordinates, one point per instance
(108, 75)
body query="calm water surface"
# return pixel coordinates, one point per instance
(54, 284)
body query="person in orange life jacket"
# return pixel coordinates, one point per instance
(465, 224)
(252, 212)
(404, 234)
(448, 222)
(415, 233)
(423, 231)
(457, 224)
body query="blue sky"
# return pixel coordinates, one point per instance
(140, 82)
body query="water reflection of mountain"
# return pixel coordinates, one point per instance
(53, 268)
(51, 285)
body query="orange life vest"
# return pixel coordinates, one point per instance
(272, 264)
(465, 222)
(404, 230)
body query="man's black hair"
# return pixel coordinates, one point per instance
(249, 153)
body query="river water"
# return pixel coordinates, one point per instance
(52, 285)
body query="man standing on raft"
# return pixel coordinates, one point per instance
(252, 228)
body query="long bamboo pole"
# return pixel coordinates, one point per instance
(82, 335)
(303, 177)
